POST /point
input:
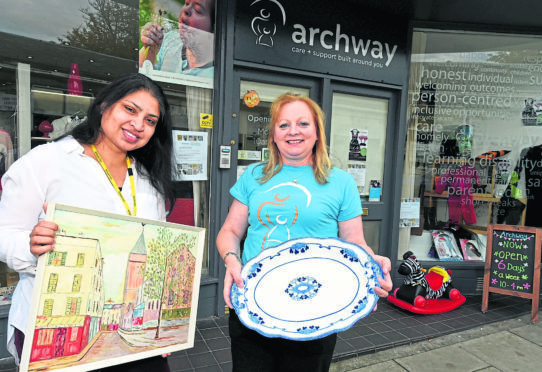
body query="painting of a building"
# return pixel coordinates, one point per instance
(72, 298)
(111, 316)
(132, 313)
(147, 301)
(179, 277)
(115, 288)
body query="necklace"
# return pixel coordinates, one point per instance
(114, 184)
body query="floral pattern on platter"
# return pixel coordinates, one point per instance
(360, 306)
(237, 297)
(350, 255)
(332, 289)
(308, 330)
(299, 248)
(254, 270)
(255, 318)
(303, 288)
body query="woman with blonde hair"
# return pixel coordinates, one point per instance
(321, 164)
(296, 193)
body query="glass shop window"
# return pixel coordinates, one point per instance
(191, 111)
(43, 97)
(184, 67)
(8, 154)
(474, 140)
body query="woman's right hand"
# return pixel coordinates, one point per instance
(228, 240)
(233, 274)
(152, 36)
(42, 237)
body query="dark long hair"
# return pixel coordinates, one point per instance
(153, 160)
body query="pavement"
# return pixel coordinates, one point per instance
(392, 339)
(509, 345)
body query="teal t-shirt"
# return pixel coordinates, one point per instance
(293, 205)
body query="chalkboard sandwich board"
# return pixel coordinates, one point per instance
(513, 264)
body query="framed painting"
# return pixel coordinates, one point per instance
(115, 289)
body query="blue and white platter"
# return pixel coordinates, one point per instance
(308, 288)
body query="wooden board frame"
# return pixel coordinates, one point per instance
(534, 296)
(115, 289)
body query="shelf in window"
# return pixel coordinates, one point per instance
(44, 139)
(475, 196)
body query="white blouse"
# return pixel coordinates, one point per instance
(56, 172)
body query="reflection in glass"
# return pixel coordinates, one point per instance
(472, 118)
(358, 137)
(188, 103)
(108, 27)
(255, 103)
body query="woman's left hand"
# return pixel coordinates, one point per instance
(42, 237)
(386, 284)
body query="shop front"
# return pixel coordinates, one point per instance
(435, 112)
(473, 134)
(56, 58)
(446, 114)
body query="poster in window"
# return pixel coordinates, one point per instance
(190, 149)
(409, 215)
(115, 289)
(176, 41)
(358, 171)
(357, 148)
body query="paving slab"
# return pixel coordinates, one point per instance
(506, 351)
(450, 358)
(512, 330)
(390, 366)
(531, 332)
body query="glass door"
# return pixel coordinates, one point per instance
(254, 104)
(9, 152)
(360, 127)
(359, 142)
(257, 91)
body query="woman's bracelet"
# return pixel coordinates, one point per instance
(233, 254)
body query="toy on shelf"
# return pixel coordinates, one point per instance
(46, 127)
(425, 291)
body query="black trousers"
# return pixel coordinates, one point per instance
(252, 351)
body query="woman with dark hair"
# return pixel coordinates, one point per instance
(155, 157)
(119, 160)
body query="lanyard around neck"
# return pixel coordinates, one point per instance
(114, 184)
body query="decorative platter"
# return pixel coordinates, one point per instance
(307, 288)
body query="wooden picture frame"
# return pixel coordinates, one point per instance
(512, 264)
(115, 289)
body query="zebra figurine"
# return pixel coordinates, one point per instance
(412, 269)
(419, 285)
